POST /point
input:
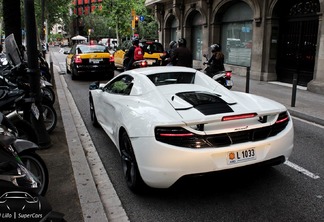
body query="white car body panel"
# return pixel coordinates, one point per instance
(148, 106)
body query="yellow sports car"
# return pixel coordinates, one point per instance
(152, 53)
(84, 59)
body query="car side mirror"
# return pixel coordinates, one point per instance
(94, 85)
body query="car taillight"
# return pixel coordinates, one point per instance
(241, 116)
(280, 124)
(143, 63)
(228, 74)
(77, 60)
(283, 117)
(181, 137)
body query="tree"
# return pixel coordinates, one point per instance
(98, 24)
(11, 9)
(118, 14)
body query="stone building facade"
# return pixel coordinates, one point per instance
(275, 40)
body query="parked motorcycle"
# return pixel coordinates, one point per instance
(222, 77)
(16, 80)
(16, 98)
(23, 151)
(23, 179)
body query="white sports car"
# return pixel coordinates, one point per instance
(168, 122)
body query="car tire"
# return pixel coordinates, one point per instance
(130, 168)
(67, 70)
(74, 74)
(93, 113)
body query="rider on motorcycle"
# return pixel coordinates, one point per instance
(216, 62)
(167, 57)
(129, 56)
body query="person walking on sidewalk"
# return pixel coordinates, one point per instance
(182, 56)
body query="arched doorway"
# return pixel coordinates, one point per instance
(196, 34)
(298, 30)
(171, 29)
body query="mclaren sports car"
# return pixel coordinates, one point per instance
(169, 122)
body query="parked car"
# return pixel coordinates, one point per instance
(152, 52)
(86, 59)
(172, 122)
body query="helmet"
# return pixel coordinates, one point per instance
(172, 44)
(135, 41)
(182, 42)
(215, 48)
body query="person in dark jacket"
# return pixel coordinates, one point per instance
(129, 56)
(182, 56)
(167, 57)
(216, 62)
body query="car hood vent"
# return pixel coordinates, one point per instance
(206, 103)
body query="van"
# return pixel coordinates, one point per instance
(111, 43)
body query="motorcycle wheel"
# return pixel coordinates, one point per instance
(35, 164)
(49, 94)
(49, 117)
(26, 131)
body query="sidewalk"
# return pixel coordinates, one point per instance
(79, 186)
(308, 105)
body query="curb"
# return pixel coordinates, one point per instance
(98, 198)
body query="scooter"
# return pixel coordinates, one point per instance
(222, 77)
(25, 156)
(136, 64)
(21, 188)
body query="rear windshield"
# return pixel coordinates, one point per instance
(172, 78)
(152, 47)
(91, 48)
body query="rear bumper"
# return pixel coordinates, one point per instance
(161, 165)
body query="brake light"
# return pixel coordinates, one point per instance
(77, 60)
(181, 137)
(283, 117)
(228, 74)
(143, 63)
(241, 116)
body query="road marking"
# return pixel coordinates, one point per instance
(301, 170)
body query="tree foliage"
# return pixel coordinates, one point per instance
(118, 16)
(114, 20)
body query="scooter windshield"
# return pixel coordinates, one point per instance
(12, 50)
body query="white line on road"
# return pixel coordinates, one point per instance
(302, 170)
(306, 121)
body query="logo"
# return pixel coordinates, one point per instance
(20, 206)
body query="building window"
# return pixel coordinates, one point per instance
(237, 34)
(173, 30)
(196, 31)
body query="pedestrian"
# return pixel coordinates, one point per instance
(182, 56)
(216, 62)
(134, 53)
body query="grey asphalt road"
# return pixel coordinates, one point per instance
(281, 193)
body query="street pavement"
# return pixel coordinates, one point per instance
(79, 186)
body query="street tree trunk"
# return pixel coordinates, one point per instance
(12, 19)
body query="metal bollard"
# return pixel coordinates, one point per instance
(247, 84)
